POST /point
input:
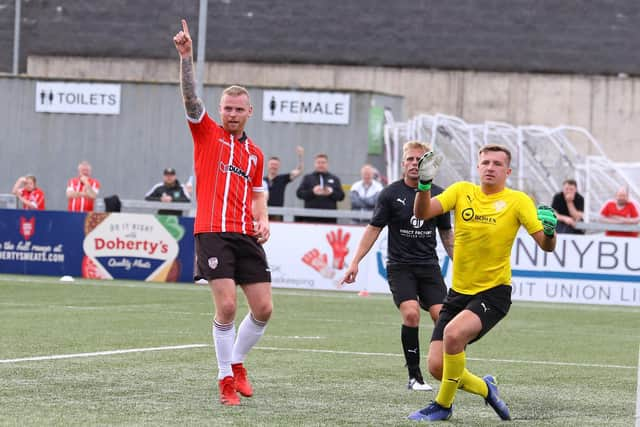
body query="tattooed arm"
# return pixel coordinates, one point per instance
(184, 45)
(447, 240)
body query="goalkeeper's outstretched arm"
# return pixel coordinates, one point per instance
(546, 238)
(546, 243)
(424, 207)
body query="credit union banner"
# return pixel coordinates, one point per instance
(590, 269)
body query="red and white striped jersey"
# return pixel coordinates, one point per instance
(81, 204)
(228, 171)
(35, 198)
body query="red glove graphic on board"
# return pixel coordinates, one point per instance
(319, 262)
(338, 242)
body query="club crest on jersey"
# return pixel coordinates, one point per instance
(213, 262)
(500, 205)
(253, 159)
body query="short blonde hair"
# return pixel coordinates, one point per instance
(410, 145)
(236, 90)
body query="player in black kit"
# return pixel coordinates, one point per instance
(413, 271)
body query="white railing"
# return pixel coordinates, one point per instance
(8, 201)
(543, 157)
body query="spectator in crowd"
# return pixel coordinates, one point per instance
(28, 192)
(277, 182)
(620, 211)
(365, 192)
(168, 191)
(82, 190)
(320, 190)
(231, 222)
(569, 207)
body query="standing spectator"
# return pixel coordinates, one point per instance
(320, 190)
(365, 192)
(82, 190)
(168, 191)
(413, 271)
(277, 182)
(620, 211)
(231, 222)
(29, 194)
(569, 207)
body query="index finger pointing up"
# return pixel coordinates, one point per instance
(185, 27)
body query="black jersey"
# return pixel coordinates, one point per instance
(410, 240)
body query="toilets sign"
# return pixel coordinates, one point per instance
(306, 107)
(77, 98)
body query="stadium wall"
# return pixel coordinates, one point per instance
(607, 106)
(128, 151)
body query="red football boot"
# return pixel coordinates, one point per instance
(228, 395)
(242, 384)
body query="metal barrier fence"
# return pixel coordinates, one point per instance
(288, 214)
(8, 201)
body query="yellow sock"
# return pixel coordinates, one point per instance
(473, 384)
(452, 370)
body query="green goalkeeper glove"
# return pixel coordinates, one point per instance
(547, 217)
(428, 166)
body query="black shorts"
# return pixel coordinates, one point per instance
(490, 305)
(231, 256)
(421, 282)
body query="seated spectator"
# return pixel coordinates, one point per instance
(364, 192)
(29, 194)
(320, 190)
(277, 182)
(168, 191)
(82, 190)
(620, 211)
(569, 207)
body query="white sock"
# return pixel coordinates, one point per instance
(223, 337)
(249, 333)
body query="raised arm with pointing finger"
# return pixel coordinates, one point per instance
(184, 45)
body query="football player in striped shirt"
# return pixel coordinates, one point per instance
(231, 222)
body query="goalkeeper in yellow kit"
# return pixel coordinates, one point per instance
(487, 219)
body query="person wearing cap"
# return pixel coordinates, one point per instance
(168, 191)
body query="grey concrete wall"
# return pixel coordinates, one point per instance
(565, 36)
(129, 151)
(609, 107)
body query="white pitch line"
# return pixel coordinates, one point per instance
(303, 350)
(103, 353)
(534, 362)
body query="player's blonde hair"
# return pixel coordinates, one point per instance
(236, 90)
(411, 145)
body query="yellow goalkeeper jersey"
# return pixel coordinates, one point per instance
(485, 228)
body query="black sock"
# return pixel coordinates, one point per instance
(411, 349)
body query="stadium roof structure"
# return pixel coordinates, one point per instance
(580, 36)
